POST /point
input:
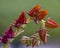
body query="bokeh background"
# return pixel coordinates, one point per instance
(11, 9)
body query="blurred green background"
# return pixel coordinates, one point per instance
(11, 9)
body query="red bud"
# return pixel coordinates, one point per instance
(51, 23)
(4, 39)
(9, 33)
(38, 14)
(42, 34)
(34, 10)
(42, 14)
(21, 20)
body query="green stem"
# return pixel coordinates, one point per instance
(43, 23)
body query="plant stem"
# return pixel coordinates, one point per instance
(17, 33)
